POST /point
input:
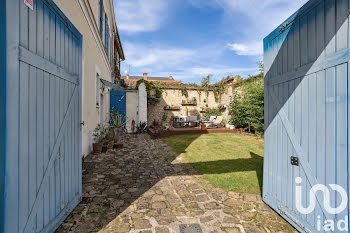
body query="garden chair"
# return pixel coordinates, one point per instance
(211, 122)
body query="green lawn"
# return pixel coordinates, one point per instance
(233, 162)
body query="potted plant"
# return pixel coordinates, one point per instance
(98, 136)
(109, 137)
(164, 117)
(117, 123)
(118, 137)
(226, 123)
(203, 126)
(171, 122)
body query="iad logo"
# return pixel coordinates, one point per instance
(326, 198)
(328, 224)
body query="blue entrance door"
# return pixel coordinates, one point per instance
(118, 102)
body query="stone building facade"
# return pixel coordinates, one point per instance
(174, 97)
(95, 20)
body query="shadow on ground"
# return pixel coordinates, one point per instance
(113, 181)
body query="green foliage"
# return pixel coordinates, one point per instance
(165, 116)
(211, 112)
(99, 134)
(147, 84)
(184, 91)
(219, 90)
(247, 106)
(205, 83)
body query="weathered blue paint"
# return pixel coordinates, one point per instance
(307, 109)
(2, 110)
(118, 102)
(40, 115)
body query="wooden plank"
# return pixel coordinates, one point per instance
(52, 186)
(330, 27)
(342, 13)
(296, 44)
(330, 130)
(312, 132)
(40, 143)
(311, 38)
(321, 132)
(341, 133)
(291, 116)
(32, 31)
(320, 34)
(303, 40)
(46, 32)
(284, 50)
(48, 169)
(52, 32)
(290, 39)
(40, 29)
(33, 155)
(23, 181)
(23, 26)
(43, 64)
(45, 194)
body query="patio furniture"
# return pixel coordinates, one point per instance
(211, 122)
(185, 121)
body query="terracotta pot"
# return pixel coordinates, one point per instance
(203, 127)
(118, 146)
(241, 130)
(110, 145)
(171, 123)
(97, 147)
(104, 148)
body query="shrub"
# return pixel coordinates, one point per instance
(211, 112)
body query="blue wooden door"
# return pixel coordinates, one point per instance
(306, 112)
(43, 115)
(118, 102)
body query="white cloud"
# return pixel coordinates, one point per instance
(140, 15)
(157, 56)
(247, 49)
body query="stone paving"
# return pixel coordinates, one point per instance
(144, 188)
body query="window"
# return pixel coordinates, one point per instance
(98, 90)
(101, 12)
(106, 34)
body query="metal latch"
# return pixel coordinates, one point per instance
(294, 160)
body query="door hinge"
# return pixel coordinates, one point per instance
(294, 160)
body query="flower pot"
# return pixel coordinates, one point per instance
(241, 130)
(203, 127)
(110, 145)
(118, 146)
(97, 147)
(232, 127)
(104, 148)
(227, 125)
(171, 123)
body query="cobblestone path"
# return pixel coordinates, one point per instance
(141, 188)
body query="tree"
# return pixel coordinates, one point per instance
(247, 106)
(206, 81)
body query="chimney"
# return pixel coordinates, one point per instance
(145, 76)
(171, 77)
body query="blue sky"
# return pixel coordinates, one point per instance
(190, 39)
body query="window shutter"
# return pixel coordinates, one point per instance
(101, 19)
(98, 90)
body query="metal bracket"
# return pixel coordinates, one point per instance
(294, 160)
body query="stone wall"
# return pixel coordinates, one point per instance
(174, 97)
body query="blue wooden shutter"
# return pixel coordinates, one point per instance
(101, 19)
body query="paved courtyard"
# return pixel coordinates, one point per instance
(145, 187)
